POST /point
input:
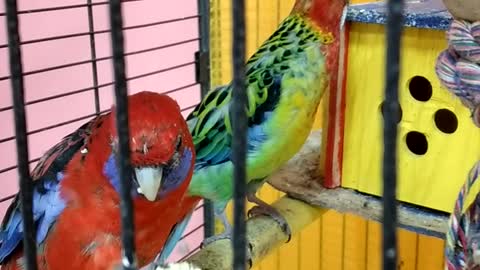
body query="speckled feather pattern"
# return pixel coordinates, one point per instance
(285, 81)
(429, 14)
(428, 21)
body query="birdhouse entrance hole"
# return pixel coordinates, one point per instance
(417, 142)
(420, 88)
(446, 121)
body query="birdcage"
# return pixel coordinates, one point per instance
(99, 37)
(66, 56)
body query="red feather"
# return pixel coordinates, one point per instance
(87, 233)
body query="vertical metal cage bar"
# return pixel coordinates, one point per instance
(123, 153)
(203, 77)
(93, 55)
(239, 129)
(204, 32)
(26, 186)
(392, 69)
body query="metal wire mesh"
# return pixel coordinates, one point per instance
(392, 68)
(239, 138)
(203, 77)
(121, 119)
(26, 189)
(199, 63)
(96, 66)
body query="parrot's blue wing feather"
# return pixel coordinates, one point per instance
(47, 203)
(173, 239)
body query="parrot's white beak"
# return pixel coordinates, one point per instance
(149, 180)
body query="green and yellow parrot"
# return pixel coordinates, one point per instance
(285, 81)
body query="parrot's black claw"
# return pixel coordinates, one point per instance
(228, 235)
(249, 255)
(211, 239)
(263, 208)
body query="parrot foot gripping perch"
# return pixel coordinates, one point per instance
(263, 208)
(227, 234)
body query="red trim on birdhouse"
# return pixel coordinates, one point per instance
(336, 120)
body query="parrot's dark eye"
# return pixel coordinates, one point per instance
(174, 161)
(178, 143)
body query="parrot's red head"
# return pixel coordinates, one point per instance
(162, 151)
(325, 13)
(328, 15)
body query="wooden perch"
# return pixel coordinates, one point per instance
(306, 200)
(299, 179)
(263, 233)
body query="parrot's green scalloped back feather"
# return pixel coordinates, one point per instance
(286, 79)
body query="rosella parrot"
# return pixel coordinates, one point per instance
(76, 203)
(285, 81)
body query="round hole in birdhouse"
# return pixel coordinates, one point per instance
(417, 142)
(400, 112)
(420, 88)
(446, 121)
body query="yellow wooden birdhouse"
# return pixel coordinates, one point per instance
(437, 141)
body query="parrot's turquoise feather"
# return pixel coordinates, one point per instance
(173, 239)
(286, 79)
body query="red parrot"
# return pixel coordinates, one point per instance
(76, 191)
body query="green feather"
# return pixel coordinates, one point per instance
(285, 81)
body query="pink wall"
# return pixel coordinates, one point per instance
(41, 55)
